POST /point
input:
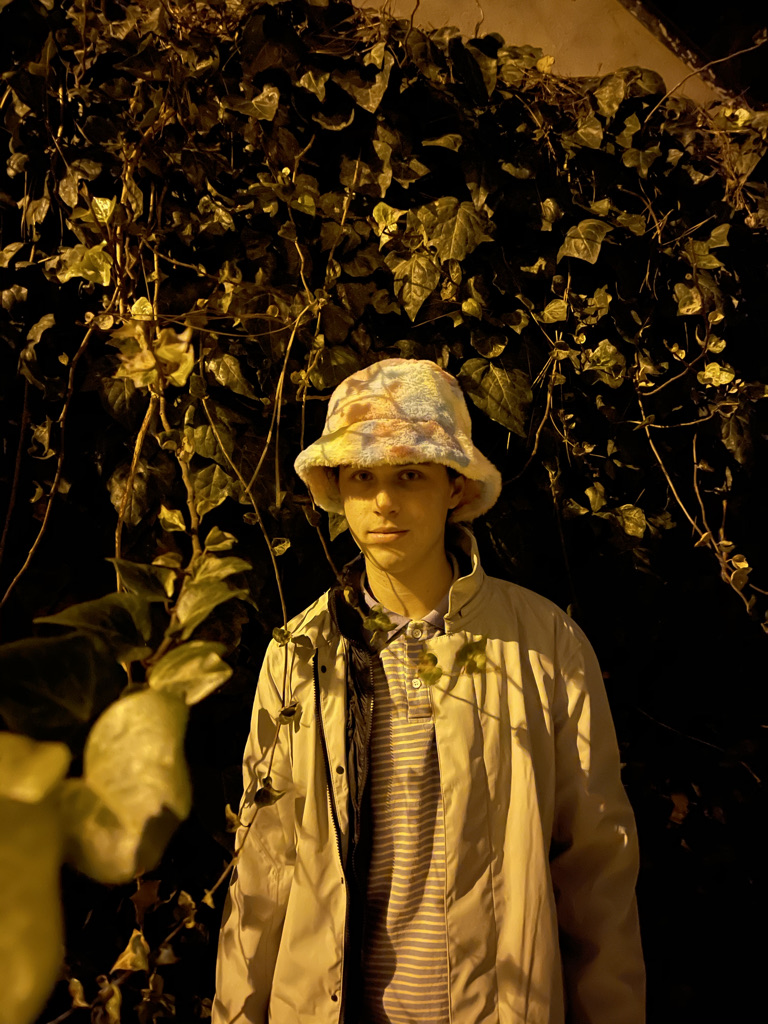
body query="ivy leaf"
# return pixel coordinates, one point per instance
(715, 375)
(171, 520)
(212, 486)
(53, 685)
(191, 671)
(32, 936)
(30, 769)
(451, 228)
(689, 300)
(428, 670)
(501, 394)
(588, 133)
(219, 540)
(471, 656)
(554, 312)
(415, 279)
(583, 240)
(377, 620)
(91, 264)
(367, 94)
(333, 365)
(610, 95)
(150, 582)
(641, 159)
(135, 956)
(227, 371)
(608, 362)
(452, 141)
(197, 600)
(264, 106)
(122, 620)
(134, 790)
(212, 567)
(314, 81)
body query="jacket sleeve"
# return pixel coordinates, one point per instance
(258, 894)
(594, 855)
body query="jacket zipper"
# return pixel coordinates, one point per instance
(336, 828)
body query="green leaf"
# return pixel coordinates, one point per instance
(191, 671)
(367, 93)
(471, 656)
(610, 95)
(386, 217)
(641, 159)
(588, 133)
(29, 769)
(122, 620)
(52, 686)
(227, 371)
(377, 620)
(91, 264)
(198, 600)
(134, 791)
(583, 240)
(212, 486)
(171, 520)
(608, 362)
(212, 567)
(554, 312)
(264, 106)
(32, 934)
(689, 300)
(499, 393)
(314, 81)
(428, 670)
(150, 582)
(219, 540)
(135, 956)
(333, 365)
(452, 141)
(451, 228)
(415, 279)
(715, 375)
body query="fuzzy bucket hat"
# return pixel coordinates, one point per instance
(394, 412)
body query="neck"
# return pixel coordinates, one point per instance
(413, 594)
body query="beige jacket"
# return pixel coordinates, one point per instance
(541, 851)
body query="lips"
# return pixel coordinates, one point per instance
(386, 534)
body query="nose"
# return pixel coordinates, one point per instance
(386, 502)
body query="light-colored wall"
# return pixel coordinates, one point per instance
(586, 37)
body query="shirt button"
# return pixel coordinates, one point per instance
(416, 684)
(417, 630)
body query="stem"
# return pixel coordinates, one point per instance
(667, 477)
(60, 462)
(132, 476)
(16, 470)
(276, 410)
(256, 511)
(186, 476)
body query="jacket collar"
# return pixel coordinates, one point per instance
(466, 594)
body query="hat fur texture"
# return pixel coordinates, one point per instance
(396, 412)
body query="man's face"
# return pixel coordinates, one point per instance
(397, 514)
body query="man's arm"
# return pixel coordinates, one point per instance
(255, 908)
(594, 856)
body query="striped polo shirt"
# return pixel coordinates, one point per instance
(405, 961)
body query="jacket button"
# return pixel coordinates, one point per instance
(334, 998)
(323, 668)
(339, 770)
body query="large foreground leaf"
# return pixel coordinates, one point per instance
(135, 788)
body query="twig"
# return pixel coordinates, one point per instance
(703, 68)
(60, 463)
(276, 410)
(131, 477)
(256, 511)
(17, 469)
(667, 477)
(704, 743)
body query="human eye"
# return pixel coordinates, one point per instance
(362, 476)
(411, 475)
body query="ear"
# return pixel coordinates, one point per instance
(458, 487)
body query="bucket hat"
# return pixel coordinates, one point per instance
(395, 412)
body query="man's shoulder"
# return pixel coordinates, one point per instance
(314, 622)
(532, 612)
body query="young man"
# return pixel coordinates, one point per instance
(451, 841)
